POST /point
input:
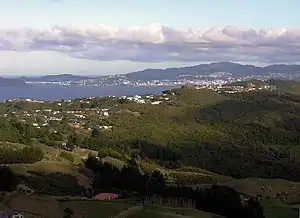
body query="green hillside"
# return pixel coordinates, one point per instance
(249, 131)
(254, 133)
(247, 140)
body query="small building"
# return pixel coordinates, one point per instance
(156, 102)
(106, 196)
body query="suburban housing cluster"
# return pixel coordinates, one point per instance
(88, 113)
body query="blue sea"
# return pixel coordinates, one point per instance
(48, 92)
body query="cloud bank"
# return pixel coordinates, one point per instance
(157, 43)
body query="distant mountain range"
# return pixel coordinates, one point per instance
(213, 70)
(232, 69)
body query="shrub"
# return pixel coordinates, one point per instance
(102, 152)
(115, 154)
(8, 180)
(67, 155)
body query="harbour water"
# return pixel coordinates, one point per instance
(47, 92)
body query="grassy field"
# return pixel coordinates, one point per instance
(50, 206)
(95, 209)
(83, 153)
(53, 163)
(271, 189)
(46, 206)
(116, 162)
(168, 212)
(278, 210)
(266, 188)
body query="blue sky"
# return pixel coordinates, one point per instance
(171, 17)
(173, 13)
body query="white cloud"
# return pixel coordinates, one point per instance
(156, 43)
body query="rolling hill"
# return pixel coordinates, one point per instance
(231, 69)
(223, 69)
(197, 137)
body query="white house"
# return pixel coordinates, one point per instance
(156, 102)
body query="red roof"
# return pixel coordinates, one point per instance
(106, 196)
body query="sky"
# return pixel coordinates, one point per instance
(97, 37)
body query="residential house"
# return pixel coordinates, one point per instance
(106, 196)
(156, 102)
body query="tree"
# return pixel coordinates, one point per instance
(70, 143)
(155, 183)
(227, 202)
(8, 180)
(68, 213)
(96, 132)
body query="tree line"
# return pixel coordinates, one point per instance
(28, 154)
(130, 181)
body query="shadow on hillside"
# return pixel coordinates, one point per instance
(52, 183)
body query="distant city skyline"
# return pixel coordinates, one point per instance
(117, 36)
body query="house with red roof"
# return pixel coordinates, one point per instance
(106, 196)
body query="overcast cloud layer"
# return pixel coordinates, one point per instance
(156, 43)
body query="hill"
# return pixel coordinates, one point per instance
(230, 69)
(64, 170)
(255, 133)
(246, 128)
(204, 73)
(194, 137)
(282, 86)
(287, 86)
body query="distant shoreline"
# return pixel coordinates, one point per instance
(50, 92)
